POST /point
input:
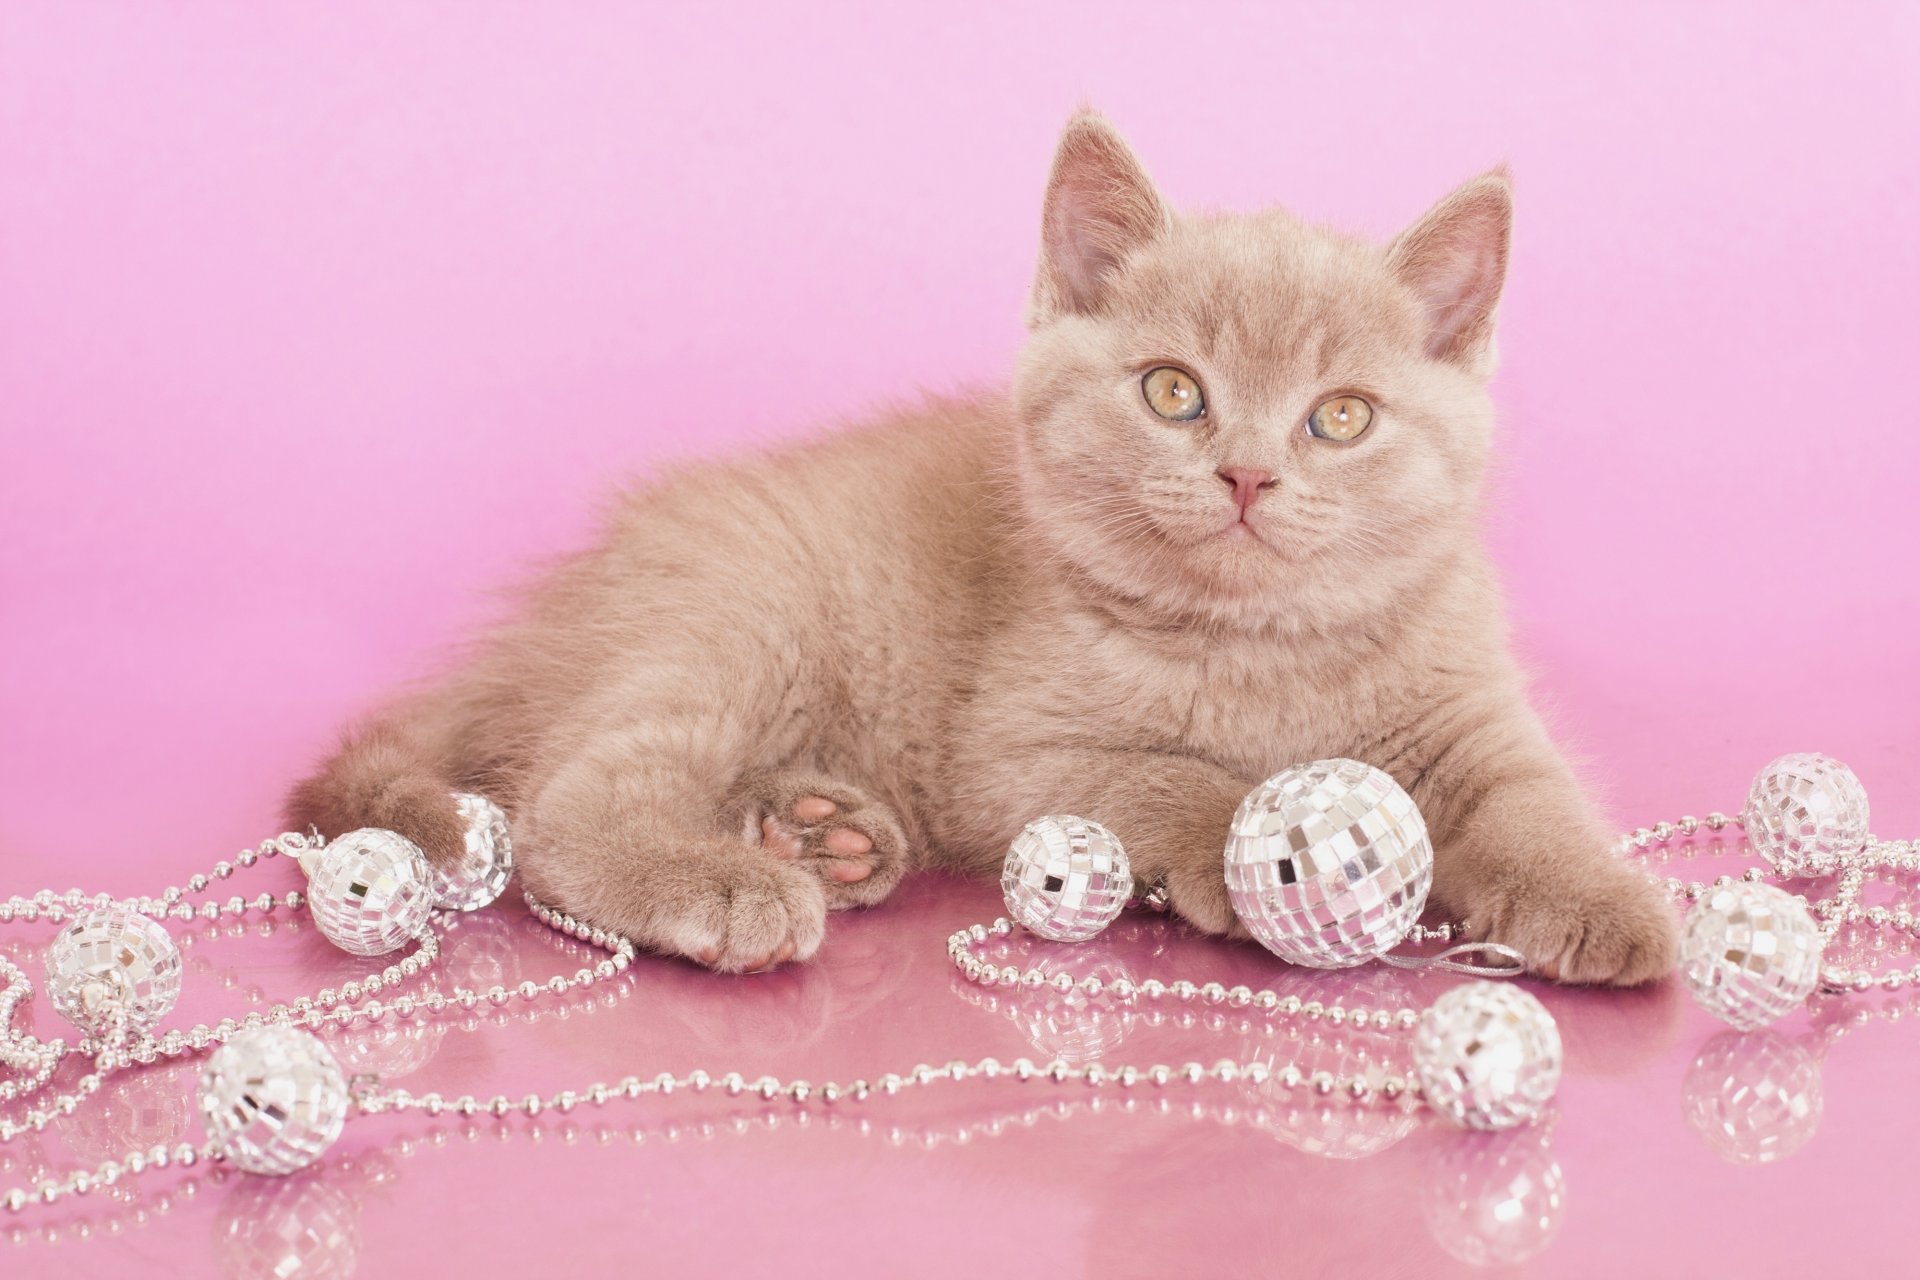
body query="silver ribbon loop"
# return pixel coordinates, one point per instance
(1502, 962)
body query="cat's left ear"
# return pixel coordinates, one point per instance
(1455, 261)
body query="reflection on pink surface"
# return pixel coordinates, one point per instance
(1665, 1121)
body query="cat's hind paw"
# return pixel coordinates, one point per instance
(853, 843)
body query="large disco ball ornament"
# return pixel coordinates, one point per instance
(1487, 1055)
(1065, 878)
(480, 873)
(1805, 808)
(273, 1099)
(1750, 953)
(370, 891)
(113, 958)
(1328, 864)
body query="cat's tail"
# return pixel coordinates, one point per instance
(384, 775)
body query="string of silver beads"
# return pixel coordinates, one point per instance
(1834, 910)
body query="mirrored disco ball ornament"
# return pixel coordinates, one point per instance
(110, 958)
(273, 1099)
(370, 891)
(486, 857)
(1750, 953)
(1487, 1055)
(1065, 878)
(1328, 864)
(1805, 808)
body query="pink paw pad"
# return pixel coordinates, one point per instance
(842, 850)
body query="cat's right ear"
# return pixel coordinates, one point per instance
(1100, 207)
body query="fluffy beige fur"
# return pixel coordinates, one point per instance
(778, 683)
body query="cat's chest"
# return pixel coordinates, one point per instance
(1250, 705)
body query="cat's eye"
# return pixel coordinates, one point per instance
(1341, 418)
(1173, 394)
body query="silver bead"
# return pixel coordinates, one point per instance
(1328, 864)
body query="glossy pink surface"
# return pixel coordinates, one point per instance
(317, 321)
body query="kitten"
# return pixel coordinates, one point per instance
(1226, 520)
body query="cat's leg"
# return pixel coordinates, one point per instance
(1521, 856)
(851, 841)
(1170, 812)
(398, 772)
(638, 839)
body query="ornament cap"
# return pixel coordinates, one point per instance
(310, 858)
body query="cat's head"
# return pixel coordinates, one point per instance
(1180, 366)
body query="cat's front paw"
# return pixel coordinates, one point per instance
(748, 914)
(1197, 893)
(1601, 922)
(719, 903)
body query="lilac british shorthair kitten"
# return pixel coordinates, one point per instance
(1226, 519)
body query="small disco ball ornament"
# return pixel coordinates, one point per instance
(1750, 953)
(273, 1099)
(1805, 808)
(370, 891)
(113, 958)
(1066, 878)
(1328, 864)
(1487, 1055)
(486, 858)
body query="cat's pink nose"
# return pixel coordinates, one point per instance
(1246, 484)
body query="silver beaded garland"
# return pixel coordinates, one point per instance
(1485, 1055)
(1328, 864)
(1488, 1055)
(1750, 953)
(273, 1099)
(486, 857)
(113, 958)
(1065, 878)
(370, 891)
(1805, 809)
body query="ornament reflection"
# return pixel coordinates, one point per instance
(1495, 1199)
(1753, 1097)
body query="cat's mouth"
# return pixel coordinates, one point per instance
(1239, 531)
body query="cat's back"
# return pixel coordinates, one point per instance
(859, 508)
(866, 558)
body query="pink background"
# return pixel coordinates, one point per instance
(319, 320)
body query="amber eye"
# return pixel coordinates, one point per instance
(1341, 418)
(1172, 393)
